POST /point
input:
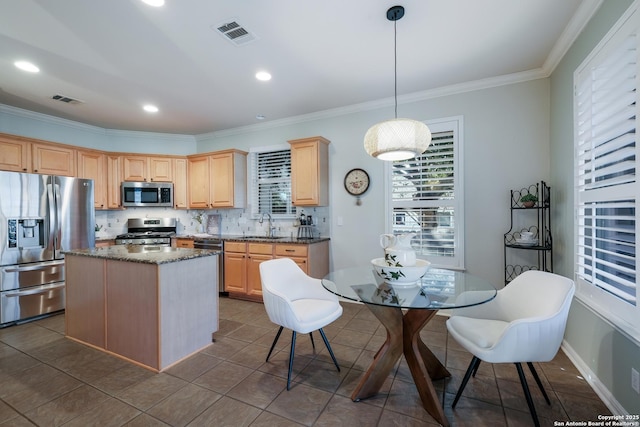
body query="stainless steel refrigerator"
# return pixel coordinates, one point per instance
(41, 216)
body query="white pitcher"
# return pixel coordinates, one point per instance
(397, 250)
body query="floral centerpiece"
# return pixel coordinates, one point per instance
(200, 217)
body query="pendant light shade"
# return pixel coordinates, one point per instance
(397, 139)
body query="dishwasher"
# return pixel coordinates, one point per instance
(215, 245)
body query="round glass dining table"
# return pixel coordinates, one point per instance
(404, 309)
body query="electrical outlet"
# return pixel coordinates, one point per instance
(635, 380)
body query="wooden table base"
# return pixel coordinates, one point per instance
(403, 337)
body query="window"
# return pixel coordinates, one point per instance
(426, 197)
(605, 108)
(271, 182)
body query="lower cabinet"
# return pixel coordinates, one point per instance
(182, 242)
(242, 264)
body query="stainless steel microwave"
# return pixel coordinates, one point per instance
(147, 194)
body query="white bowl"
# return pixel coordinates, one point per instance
(401, 275)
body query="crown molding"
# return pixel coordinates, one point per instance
(53, 120)
(579, 20)
(173, 137)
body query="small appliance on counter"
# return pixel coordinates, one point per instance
(148, 231)
(41, 216)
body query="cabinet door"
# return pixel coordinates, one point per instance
(91, 165)
(254, 284)
(309, 172)
(134, 168)
(114, 179)
(235, 272)
(15, 155)
(198, 172)
(222, 180)
(180, 184)
(53, 160)
(160, 169)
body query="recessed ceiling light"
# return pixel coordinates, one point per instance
(260, 117)
(26, 66)
(154, 3)
(263, 76)
(150, 108)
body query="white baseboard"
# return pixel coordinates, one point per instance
(603, 392)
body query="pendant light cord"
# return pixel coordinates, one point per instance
(395, 66)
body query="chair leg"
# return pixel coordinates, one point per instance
(312, 343)
(475, 370)
(527, 395)
(537, 378)
(274, 342)
(326, 342)
(473, 367)
(293, 347)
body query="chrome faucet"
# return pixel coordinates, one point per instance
(271, 228)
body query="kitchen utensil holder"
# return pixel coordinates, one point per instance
(306, 231)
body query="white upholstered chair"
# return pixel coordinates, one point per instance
(298, 302)
(524, 323)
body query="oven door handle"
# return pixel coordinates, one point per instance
(34, 290)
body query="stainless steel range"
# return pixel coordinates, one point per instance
(148, 231)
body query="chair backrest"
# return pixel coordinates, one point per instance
(537, 305)
(535, 294)
(284, 282)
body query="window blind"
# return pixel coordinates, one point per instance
(605, 171)
(271, 182)
(423, 195)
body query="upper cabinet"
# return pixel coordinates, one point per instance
(180, 192)
(15, 154)
(92, 165)
(144, 168)
(114, 179)
(218, 180)
(20, 154)
(310, 171)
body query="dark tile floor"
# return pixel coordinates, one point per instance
(48, 380)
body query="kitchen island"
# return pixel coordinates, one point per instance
(151, 305)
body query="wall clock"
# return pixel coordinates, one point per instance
(356, 182)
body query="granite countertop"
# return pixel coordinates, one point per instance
(143, 253)
(259, 239)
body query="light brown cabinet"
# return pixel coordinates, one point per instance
(15, 154)
(310, 171)
(20, 154)
(242, 261)
(235, 268)
(104, 243)
(180, 192)
(93, 165)
(114, 179)
(218, 180)
(53, 159)
(145, 168)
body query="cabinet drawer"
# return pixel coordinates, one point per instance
(292, 250)
(260, 248)
(184, 243)
(235, 247)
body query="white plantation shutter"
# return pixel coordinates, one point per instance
(271, 182)
(605, 108)
(426, 198)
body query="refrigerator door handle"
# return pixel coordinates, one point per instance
(41, 266)
(34, 290)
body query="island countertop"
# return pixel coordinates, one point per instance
(143, 254)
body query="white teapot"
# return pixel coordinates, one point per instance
(397, 250)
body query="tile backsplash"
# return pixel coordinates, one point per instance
(233, 221)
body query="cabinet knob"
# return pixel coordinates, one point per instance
(24, 169)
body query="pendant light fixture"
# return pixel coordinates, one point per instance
(397, 139)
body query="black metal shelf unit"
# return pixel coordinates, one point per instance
(520, 256)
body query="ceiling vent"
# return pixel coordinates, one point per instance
(66, 99)
(235, 33)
